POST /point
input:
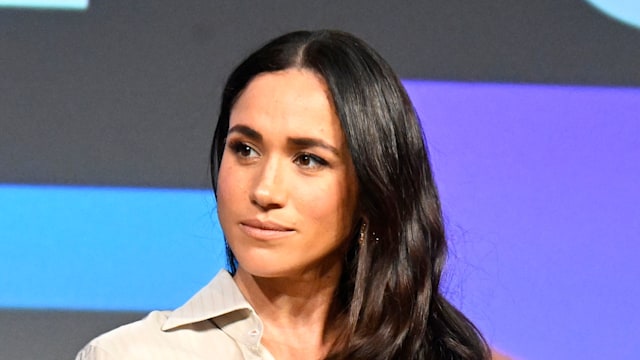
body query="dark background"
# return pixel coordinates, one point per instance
(126, 93)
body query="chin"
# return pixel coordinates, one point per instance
(266, 270)
(263, 263)
(281, 261)
(279, 267)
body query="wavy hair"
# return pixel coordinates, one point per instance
(388, 303)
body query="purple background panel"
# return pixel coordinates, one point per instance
(540, 191)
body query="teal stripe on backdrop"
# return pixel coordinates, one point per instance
(47, 4)
(626, 11)
(105, 248)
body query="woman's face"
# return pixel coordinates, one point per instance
(287, 188)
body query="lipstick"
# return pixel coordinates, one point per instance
(265, 230)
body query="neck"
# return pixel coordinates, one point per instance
(296, 310)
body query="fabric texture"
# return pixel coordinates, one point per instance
(216, 323)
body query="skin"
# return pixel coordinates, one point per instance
(287, 197)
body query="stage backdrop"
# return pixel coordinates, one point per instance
(532, 114)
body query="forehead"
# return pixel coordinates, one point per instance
(287, 100)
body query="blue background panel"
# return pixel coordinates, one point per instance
(105, 248)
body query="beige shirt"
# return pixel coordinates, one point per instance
(216, 323)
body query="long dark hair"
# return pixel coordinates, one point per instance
(389, 304)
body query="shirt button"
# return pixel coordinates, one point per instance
(254, 332)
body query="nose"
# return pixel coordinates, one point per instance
(269, 190)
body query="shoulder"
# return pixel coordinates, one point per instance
(138, 340)
(145, 339)
(117, 343)
(193, 331)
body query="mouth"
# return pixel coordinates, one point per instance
(265, 230)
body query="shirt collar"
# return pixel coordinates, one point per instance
(221, 296)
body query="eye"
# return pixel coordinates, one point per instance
(310, 161)
(243, 150)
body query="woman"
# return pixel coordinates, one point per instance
(331, 216)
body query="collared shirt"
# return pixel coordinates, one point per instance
(216, 323)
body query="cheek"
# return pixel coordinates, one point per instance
(228, 187)
(330, 205)
(222, 184)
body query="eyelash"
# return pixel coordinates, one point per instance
(239, 147)
(320, 161)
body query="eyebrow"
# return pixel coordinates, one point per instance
(246, 131)
(299, 142)
(311, 142)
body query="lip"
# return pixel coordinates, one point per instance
(265, 230)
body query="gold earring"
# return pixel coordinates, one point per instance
(363, 233)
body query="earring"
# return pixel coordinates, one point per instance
(363, 233)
